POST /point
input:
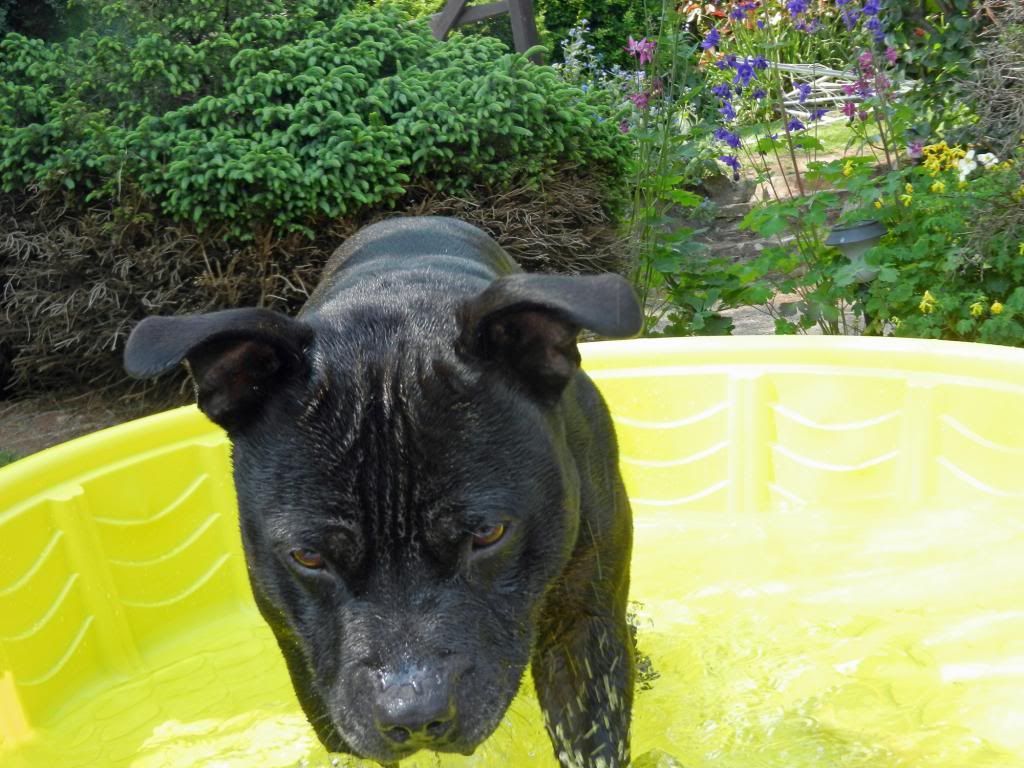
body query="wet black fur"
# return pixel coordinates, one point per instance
(427, 390)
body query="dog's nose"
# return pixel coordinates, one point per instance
(415, 708)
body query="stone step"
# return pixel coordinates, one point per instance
(732, 211)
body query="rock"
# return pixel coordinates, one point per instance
(722, 190)
(732, 211)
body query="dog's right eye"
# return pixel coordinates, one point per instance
(307, 558)
(488, 536)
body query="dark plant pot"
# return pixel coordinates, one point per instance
(853, 241)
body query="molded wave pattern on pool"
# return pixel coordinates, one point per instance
(828, 567)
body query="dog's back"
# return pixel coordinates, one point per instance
(408, 250)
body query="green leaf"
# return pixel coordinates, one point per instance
(808, 142)
(684, 197)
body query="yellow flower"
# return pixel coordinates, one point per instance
(977, 309)
(908, 188)
(895, 321)
(848, 168)
(906, 200)
(938, 187)
(1020, 249)
(996, 308)
(927, 303)
(940, 157)
(878, 203)
(961, 185)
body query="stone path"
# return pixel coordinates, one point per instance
(724, 238)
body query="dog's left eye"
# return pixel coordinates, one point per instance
(488, 535)
(308, 559)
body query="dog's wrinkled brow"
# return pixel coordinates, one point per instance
(292, 529)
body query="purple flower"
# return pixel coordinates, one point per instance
(624, 126)
(796, 7)
(733, 162)
(817, 114)
(727, 111)
(849, 109)
(915, 149)
(641, 99)
(712, 39)
(877, 30)
(866, 60)
(744, 73)
(759, 93)
(892, 55)
(739, 13)
(759, 62)
(810, 27)
(795, 125)
(722, 91)
(871, 7)
(760, 24)
(804, 89)
(841, 3)
(642, 50)
(727, 136)
(850, 17)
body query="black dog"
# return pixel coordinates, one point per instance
(428, 490)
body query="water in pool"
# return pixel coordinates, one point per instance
(855, 637)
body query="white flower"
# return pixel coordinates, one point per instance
(988, 159)
(966, 165)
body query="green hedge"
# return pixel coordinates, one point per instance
(281, 115)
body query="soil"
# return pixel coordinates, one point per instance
(32, 424)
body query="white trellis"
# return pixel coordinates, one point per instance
(826, 90)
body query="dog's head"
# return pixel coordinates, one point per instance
(405, 491)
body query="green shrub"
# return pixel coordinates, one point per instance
(283, 115)
(417, 9)
(185, 156)
(952, 263)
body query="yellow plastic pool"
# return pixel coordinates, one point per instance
(828, 569)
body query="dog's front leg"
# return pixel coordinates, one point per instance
(584, 679)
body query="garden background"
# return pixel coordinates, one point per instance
(170, 156)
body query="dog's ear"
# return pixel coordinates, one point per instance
(528, 324)
(236, 356)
